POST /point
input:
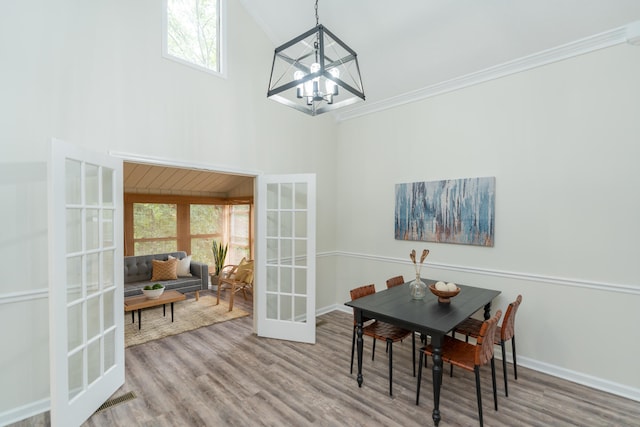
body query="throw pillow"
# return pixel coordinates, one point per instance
(164, 270)
(244, 272)
(184, 265)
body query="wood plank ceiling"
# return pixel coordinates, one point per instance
(153, 179)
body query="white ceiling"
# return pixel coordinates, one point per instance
(408, 45)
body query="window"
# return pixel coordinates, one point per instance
(239, 237)
(192, 33)
(160, 224)
(155, 229)
(206, 225)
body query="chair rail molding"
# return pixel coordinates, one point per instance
(563, 281)
(34, 294)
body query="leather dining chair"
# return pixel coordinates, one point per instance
(469, 357)
(380, 331)
(471, 328)
(395, 281)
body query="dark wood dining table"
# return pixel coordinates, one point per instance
(427, 316)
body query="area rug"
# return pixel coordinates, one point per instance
(187, 316)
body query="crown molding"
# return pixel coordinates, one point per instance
(629, 33)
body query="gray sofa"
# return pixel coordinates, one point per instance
(137, 274)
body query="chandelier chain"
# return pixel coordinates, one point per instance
(317, 19)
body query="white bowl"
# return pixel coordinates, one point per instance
(153, 293)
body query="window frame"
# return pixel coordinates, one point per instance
(182, 203)
(221, 39)
(172, 238)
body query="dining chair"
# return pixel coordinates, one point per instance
(380, 331)
(469, 357)
(471, 328)
(395, 281)
(238, 278)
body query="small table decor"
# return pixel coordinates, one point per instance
(418, 288)
(153, 292)
(444, 291)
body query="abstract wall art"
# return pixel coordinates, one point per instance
(451, 211)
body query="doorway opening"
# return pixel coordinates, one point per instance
(195, 206)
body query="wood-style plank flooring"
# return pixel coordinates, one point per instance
(224, 375)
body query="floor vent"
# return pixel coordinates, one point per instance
(116, 401)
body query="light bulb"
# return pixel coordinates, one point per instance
(330, 85)
(298, 75)
(315, 83)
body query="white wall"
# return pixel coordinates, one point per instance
(91, 73)
(562, 142)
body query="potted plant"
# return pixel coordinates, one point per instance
(219, 255)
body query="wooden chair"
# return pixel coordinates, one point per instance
(469, 356)
(395, 281)
(471, 328)
(236, 278)
(380, 331)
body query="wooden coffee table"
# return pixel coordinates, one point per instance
(138, 302)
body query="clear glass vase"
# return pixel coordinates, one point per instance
(418, 288)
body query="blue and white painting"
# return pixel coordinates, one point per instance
(451, 211)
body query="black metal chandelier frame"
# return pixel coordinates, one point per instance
(295, 83)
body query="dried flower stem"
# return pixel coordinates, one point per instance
(412, 255)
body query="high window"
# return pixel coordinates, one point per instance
(192, 33)
(159, 224)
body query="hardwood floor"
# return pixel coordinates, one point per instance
(224, 375)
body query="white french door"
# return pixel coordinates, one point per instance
(85, 281)
(285, 285)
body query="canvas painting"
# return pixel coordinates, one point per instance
(451, 211)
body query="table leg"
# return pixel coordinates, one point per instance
(359, 343)
(487, 311)
(436, 345)
(133, 316)
(139, 319)
(164, 309)
(171, 312)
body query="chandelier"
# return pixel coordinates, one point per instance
(315, 72)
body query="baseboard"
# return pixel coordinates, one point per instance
(580, 378)
(23, 412)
